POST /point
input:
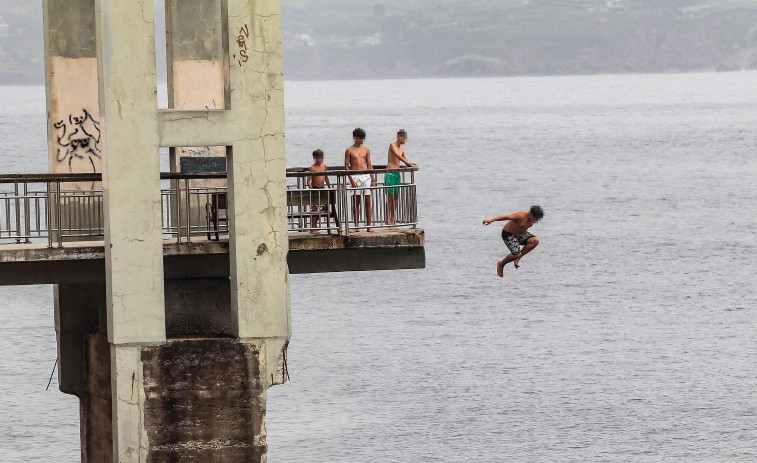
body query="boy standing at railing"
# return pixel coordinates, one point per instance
(318, 182)
(358, 157)
(394, 179)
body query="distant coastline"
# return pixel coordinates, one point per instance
(393, 39)
(39, 82)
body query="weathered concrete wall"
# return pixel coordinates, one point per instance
(96, 403)
(74, 141)
(198, 307)
(204, 401)
(196, 66)
(79, 312)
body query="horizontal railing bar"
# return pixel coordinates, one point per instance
(96, 177)
(294, 172)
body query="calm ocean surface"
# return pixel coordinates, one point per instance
(628, 335)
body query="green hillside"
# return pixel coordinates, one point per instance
(411, 38)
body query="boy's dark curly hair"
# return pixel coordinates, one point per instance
(537, 212)
(358, 133)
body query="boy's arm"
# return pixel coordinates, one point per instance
(407, 161)
(499, 218)
(310, 179)
(399, 155)
(370, 165)
(326, 175)
(347, 167)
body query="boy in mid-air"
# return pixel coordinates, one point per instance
(394, 179)
(515, 234)
(318, 182)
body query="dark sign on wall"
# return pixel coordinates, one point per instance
(201, 165)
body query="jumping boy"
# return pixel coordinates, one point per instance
(393, 179)
(515, 234)
(318, 182)
(358, 157)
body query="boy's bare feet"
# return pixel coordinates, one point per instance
(517, 263)
(501, 268)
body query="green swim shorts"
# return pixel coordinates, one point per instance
(390, 179)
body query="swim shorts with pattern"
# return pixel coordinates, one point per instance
(514, 242)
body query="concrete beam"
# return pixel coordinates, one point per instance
(196, 128)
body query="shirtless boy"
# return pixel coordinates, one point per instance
(317, 182)
(396, 154)
(515, 234)
(358, 157)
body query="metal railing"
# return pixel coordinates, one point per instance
(55, 208)
(354, 207)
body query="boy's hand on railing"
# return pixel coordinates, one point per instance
(353, 183)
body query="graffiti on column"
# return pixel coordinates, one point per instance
(244, 34)
(78, 142)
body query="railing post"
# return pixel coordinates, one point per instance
(345, 211)
(49, 214)
(189, 210)
(58, 214)
(177, 192)
(27, 218)
(18, 212)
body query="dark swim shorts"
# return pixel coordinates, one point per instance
(514, 242)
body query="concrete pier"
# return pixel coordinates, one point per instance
(170, 339)
(177, 390)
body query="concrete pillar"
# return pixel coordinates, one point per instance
(131, 188)
(257, 181)
(131, 174)
(177, 398)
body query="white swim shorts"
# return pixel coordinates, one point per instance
(363, 181)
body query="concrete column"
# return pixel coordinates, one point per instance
(131, 184)
(74, 142)
(131, 174)
(257, 180)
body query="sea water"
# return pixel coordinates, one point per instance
(628, 334)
